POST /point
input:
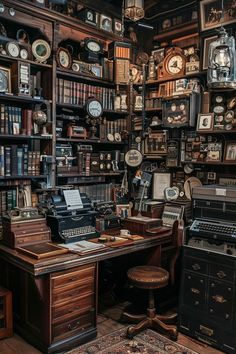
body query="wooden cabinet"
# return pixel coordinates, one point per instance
(55, 311)
(207, 309)
(6, 326)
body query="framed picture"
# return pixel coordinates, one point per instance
(230, 152)
(160, 182)
(123, 210)
(106, 23)
(118, 27)
(5, 80)
(212, 16)
(158, 55)
(214, 152)
(206, 43)
(205, 122)
(96, 70)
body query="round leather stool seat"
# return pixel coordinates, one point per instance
(148, 277)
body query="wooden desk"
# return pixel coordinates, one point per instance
(55, 299)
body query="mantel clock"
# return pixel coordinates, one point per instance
(174, 63)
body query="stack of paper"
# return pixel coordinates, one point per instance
(83, 247)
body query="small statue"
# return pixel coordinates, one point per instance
(132, 35)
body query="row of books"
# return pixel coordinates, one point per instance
(115, 126)
(77, 93)
(15, 120)
(98, 192)
(18, 160)
(8, 200)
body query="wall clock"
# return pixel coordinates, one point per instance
(133, 158)
(41, 50)
(24, 54)
(91, 49)
(174, 63)
(93, 108)
(13, 49)
(64, 59)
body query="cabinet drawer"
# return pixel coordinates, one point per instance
(79, 273)
(72, 290)
(196, 265)
(221, 300)
(222, 273)
(61, 311)
(194, 293)
(73, 327)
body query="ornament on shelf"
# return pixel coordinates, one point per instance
(134, 9)
(221, 62)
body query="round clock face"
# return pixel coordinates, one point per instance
(64, 58)
(175, 64)
(219, 99)
(93, 46)
(133, 158)
(24, 54)
(13, 49)
(75, 66)
(41, 50)
(94, 108)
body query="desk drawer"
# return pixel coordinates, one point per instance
(196, 265)
(72, 290)
(79, 273)
(73, 327)
(75, 307)
(222, 273)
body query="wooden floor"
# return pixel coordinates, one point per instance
(16, 345)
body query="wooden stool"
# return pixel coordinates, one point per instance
(6, 323)
(150, 277)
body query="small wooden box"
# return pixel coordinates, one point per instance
(121, 71)
(6, 323)
(120, 50)
(139, 225)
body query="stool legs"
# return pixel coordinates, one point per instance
(153, 321)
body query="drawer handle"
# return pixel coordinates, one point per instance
(72, 328)
(205, 330)
(195, 291)
(196, 266)
(219, 298)
(221, 274)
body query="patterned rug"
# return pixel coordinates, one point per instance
(147, 342)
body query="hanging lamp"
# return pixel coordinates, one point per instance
(134, 9)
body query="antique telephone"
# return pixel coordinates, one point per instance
(41, 115)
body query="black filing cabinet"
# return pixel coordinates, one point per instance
(207, 308)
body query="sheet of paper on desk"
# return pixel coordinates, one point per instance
(83, 246)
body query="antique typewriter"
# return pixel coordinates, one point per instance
(71, 216)
(214, 225)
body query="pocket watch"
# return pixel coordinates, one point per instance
(63, 58)
(93, 108)
(75, 66)
(219, 108)
(24, 54)
(13, 49)
(229, 116)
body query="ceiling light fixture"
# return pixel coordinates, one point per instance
(134, 9)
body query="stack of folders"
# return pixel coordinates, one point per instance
(84, 247)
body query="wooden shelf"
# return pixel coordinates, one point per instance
(177, 77)
(105, 174)
(153, 109)
(79, 76)
(23, 177)
(25, 137)
(9, 59)
(91, 141)
(176, 32)
(218, 132)
(18, 99)
(210, 163)
(80, 107)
